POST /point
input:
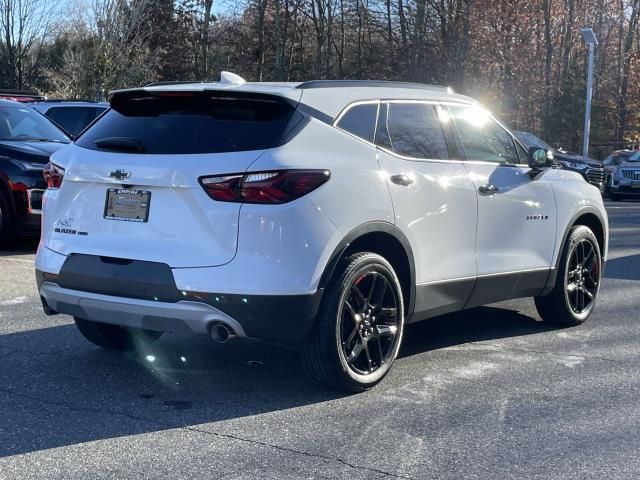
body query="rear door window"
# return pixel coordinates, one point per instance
(191, 123)
(413, 130)
(360, 120)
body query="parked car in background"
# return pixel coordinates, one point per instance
(27, 139)
(322, 215)
(623, 174)
(20, 95)
(71, 115)
(591, 169)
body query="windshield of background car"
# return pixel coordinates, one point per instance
(192, 122)
(24, 124)
(633, 158)
(618, 158)
(530, 140)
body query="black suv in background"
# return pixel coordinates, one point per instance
(27, 139)
(71, 115)
(591, 169)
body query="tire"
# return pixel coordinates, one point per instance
(359, 325)
(114, 337)
(7, 223)
(578, 281)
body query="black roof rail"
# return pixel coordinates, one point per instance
(172, 82)
(369, 83)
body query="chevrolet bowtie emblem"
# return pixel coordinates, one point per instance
(120, 174)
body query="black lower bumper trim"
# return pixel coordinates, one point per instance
(119, 277)
(275, 318)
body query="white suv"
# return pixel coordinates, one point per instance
(324, 215)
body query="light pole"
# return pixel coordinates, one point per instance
(592, 42)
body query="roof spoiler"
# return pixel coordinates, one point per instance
(225, 77)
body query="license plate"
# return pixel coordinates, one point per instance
(635, 185)
(127, 205)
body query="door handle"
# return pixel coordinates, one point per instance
(488, 189)
(401, 179)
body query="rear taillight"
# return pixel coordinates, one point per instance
(53, 175)
(264, 187)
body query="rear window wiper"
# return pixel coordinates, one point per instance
(121, 144)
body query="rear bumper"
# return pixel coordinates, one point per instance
(285, 319)
(29, 211)
(179, 317)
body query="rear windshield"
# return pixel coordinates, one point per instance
(190, 123)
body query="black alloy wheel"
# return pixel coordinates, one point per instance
(582, 276)
(369, 323)
(578, 279)
(359, 325)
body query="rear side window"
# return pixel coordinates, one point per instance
(360, 121)
(190, 123)
(414, 130)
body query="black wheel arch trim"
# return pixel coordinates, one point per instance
(361, 231)
(553, 273)
(583, 211)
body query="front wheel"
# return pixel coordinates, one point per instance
(578, 281)
(115, 337)
(359, 325)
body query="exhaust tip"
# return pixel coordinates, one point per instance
(221, 333)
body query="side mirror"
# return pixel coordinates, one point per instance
(539, 158)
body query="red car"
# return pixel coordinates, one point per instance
(20, 95)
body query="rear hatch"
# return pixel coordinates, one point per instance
(130, 187)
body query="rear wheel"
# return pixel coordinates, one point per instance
(359, 325)
(115, 337)
(578, 282)
(7, 223)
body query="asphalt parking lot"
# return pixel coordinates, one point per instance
(488, 393)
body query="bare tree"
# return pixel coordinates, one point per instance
(626, 66)
(121, 51)
(25, 25)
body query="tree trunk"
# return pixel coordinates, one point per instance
(548, 62)
(279, 41)
(262, 7)
(404, 51)
(626, 66)
(206, 22)
(417, 41)
(570, 6)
